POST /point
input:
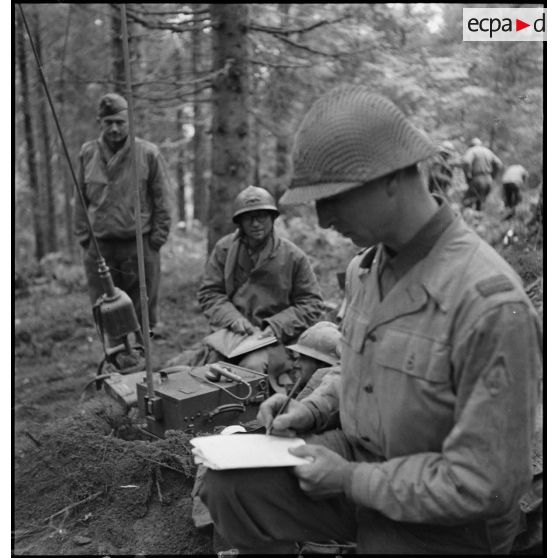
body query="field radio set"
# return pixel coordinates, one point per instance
(195, 399)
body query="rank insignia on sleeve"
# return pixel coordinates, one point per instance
(496, 378)
(492, 285)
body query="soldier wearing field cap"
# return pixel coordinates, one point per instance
(440, 365)
(105, 179)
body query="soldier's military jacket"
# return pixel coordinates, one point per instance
(280, 290)
(107, 185)
(479, 160)
(439, 385)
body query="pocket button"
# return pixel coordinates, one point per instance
(368, 388)
(410, 364)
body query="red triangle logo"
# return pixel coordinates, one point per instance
(520, 24)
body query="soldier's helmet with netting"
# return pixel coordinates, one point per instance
(321, 341)
(253, 198)
(351, 136)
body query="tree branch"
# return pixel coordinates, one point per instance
(283, 31)
(279, 64)
(266, 123)
(205, 80)
(74, 505)
(163, 25)
(321, 53)
(183, 11)
(185, 96)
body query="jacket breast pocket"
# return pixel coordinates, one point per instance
(354, 329)
(417, 356)
(95, 192)
(95, 181)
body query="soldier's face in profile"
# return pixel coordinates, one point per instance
(304, 366)
(361, 214)
(256, 225)
(114, 128)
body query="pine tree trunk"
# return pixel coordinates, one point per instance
(199, 141)
(118, 73)
(29, 139)
(181, 153)
(62, 163)
(256, 157)
(282, 143)
(48, 198)
(230, 137)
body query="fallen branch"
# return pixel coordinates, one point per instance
(72, 506)
(23, 533)
(162, 464)
(106, 443)
(32, 438)
(159, 491)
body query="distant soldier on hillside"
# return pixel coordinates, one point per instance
(514, 180)
(481, 167)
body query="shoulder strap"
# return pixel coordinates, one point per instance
(230, 262)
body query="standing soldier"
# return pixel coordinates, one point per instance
(440, 365)
(105, 179)
(481, 167)
(514, 180)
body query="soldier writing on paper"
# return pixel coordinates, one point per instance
(440, 365)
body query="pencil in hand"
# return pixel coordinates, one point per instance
(284, 405)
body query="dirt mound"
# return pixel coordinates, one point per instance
(85, 486)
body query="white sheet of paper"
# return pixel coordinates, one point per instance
(246, 451)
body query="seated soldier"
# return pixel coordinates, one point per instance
(318, 345)
(256, 282)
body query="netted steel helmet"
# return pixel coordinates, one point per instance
(475, 141)
(348, 137)
(321, 341)
(253, 198)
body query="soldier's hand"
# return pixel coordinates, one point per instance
(328, 474)
(295, 419)
(242, 326)
(267, 332)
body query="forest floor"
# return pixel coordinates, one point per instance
(85, 481)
